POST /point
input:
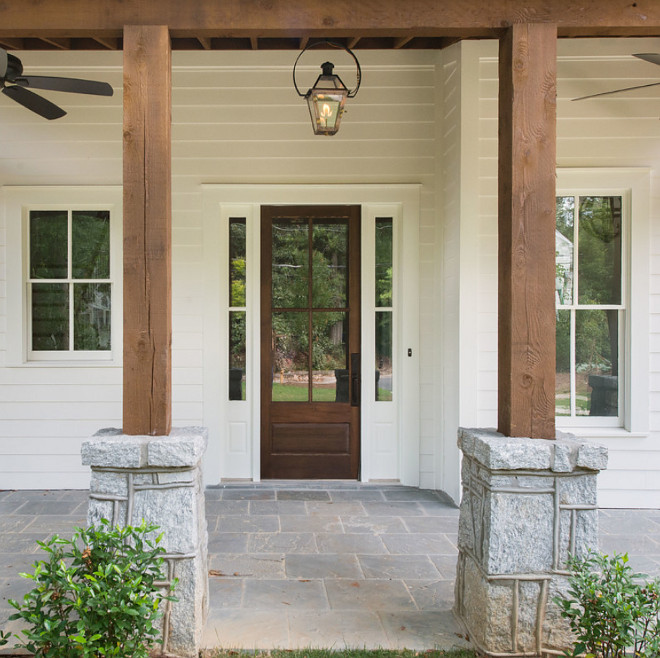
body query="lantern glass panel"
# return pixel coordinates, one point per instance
(325, 109)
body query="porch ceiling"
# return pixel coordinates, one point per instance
(292, 24)
(251, 42)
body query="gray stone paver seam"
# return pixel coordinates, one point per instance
(426, 579)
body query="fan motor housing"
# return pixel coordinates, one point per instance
(14, 68)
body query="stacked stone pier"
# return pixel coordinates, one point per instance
(527, 505)
(159, 479)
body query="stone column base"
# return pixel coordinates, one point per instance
(527, 504)
(158, 479)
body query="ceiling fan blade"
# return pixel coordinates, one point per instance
(654, 58)
(34, 102)
(71, 85)
(4, 61)
(616, 91)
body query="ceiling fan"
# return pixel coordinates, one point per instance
(654, 58)
(11, 72)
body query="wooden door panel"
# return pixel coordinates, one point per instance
(313, 438)
(310, 332)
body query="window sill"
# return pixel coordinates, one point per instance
(602, 432)
(68, 363)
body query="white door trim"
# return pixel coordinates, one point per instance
(234, 441)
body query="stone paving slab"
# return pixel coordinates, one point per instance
(327, 564)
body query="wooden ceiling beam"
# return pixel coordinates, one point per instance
(254, 43)
(109, 43)
(313, 18)
(62, 44)
(352, 42)
(402, 41)
(11, 44)
(205, 42)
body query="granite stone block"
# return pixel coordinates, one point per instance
(527, 504)
(159, 480)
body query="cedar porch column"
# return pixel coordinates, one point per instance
(147, 406)
(527, 160)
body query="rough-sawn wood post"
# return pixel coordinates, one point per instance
(527, 162)
(147, 406)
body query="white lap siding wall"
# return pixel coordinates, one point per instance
(614, 131)
(236, 119)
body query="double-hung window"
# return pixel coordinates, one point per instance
(601, 218)
(64, 283)
(69, 288)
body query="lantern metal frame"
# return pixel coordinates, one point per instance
(328, 86)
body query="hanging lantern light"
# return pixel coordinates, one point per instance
(327, 97)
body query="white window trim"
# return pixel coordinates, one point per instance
(18, 201)
(633, 184)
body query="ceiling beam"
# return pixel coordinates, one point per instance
(11, 44)
(352, 42)
(254, 43)
(402, 41)
(109, 43)
(313, 18)
(62, 44)
(205, 42)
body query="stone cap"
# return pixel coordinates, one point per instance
(109, 448)
(504, 453)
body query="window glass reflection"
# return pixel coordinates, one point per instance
(563, 364)
(237, 351)
(599, 250)
(329, 263)
(237, 261)
(564, 249)
(49, 244)
(90, 244)
(290, 357)
(596, 363)
(290, 267)
(383, 355)
(50, 316)
(329, 357)
(92, 315)
(384, 226)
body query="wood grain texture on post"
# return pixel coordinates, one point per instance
(147, 401)
(527, 163)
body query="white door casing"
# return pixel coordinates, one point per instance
(389, 430)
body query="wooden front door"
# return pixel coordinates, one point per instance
(310, 342)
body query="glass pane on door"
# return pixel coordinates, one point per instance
(290, 263)
(290, 357)
(329, 264)
(330, 357)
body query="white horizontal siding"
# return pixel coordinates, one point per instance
(612, 131)
(235, 119)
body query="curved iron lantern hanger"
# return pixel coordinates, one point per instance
(327, 97)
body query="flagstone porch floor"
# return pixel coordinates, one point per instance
(329, 564)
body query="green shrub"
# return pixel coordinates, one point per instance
(611, 610)
(95, 595)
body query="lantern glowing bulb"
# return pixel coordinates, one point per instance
(326, 98)
(326, 101)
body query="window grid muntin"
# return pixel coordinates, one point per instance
(69, 281)
(621, 308)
